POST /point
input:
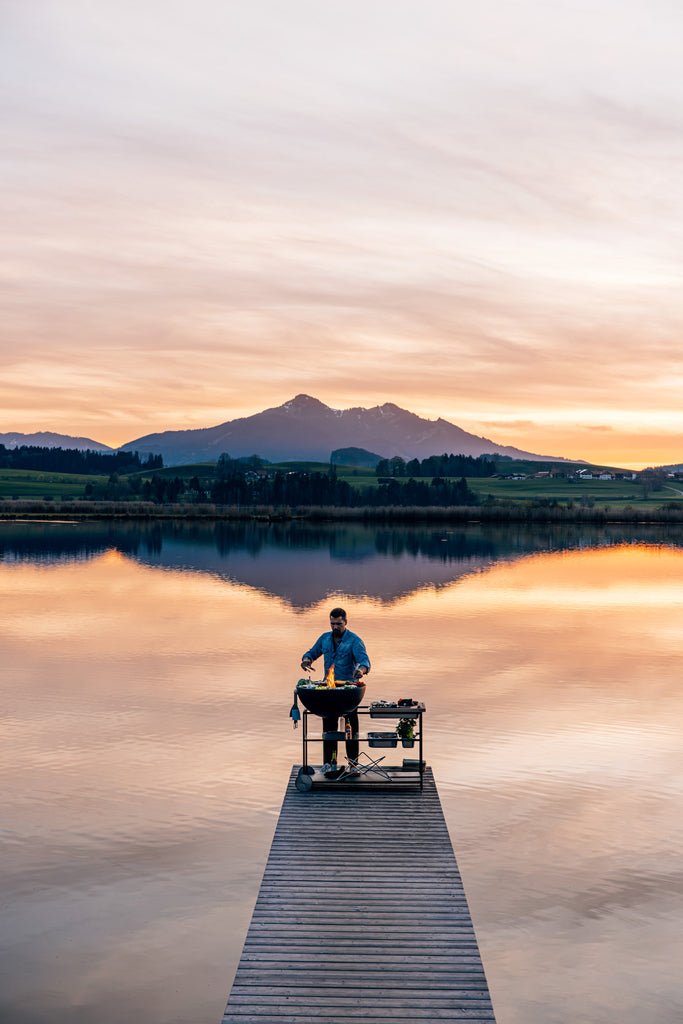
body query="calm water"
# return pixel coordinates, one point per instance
(147, 677)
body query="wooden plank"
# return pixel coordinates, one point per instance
(361, 916)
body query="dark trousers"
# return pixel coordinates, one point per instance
(330, 746)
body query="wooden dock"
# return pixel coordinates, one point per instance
(361, 916)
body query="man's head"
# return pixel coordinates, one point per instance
(338, 621)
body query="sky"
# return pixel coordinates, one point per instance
(474, 211)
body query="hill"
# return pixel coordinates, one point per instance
(306, 429)
(47, 439)
(354, 457)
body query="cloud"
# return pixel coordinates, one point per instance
(472, 212)
(511, 425)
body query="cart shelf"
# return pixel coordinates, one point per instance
(375, 740)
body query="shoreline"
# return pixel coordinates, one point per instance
(27, 510)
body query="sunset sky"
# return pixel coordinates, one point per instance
(472, 210)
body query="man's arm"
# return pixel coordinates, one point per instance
(360, 656)
(311, 655)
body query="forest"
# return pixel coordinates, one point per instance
(436, 466)
(72, 460)
(304, 488)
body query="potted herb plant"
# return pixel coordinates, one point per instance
(406, 730)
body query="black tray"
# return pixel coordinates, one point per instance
(396, 711)
(382, 739)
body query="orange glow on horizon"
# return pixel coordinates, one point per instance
(629, 444)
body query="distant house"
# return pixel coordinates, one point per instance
(600, 474)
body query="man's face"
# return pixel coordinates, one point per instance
(337, 626)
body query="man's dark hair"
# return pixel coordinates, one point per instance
(338, 613)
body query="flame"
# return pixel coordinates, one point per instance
(331, 681)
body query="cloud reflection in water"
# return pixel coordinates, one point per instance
(148, 677)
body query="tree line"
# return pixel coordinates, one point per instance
(246, 485)
(297, 489)
(315, 488)
(72, 460)
(436, 466)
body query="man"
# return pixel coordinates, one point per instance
(346, 652)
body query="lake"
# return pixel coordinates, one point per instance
(148, 673)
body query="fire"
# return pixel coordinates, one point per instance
(331, 681)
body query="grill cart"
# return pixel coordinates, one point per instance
(327, 702)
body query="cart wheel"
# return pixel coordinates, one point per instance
(303, 781)
(309, 769)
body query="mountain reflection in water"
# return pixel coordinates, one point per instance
(303, 563)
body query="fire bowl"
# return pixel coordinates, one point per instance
(330, 702)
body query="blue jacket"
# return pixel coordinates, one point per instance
(349, 655)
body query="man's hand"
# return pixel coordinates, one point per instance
(306, 664)
(359, 672)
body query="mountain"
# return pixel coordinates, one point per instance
(306, 429)
(46, 439)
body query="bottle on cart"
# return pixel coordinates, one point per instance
(334, 760)
(348, 729)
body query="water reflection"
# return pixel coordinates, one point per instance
(147, 677)
(303, 563)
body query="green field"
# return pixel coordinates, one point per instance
(206, 471)
(615, 493)
(355, 476)
(15, 483)
(203, 470)
(29, 483)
